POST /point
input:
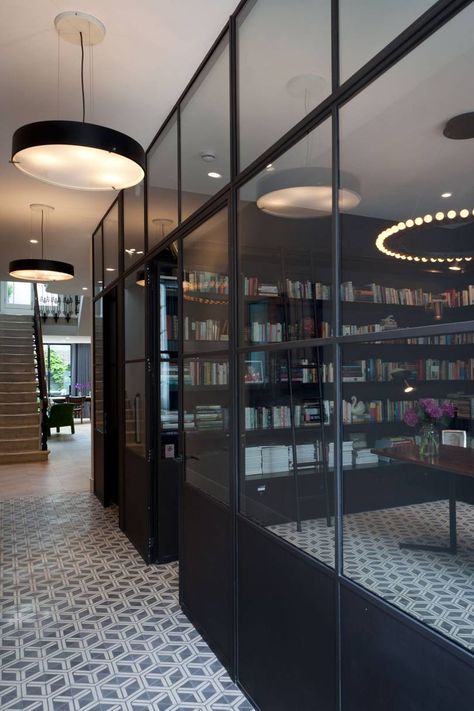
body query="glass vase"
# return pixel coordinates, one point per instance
(429, 441)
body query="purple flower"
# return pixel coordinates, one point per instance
(410, 417)
(448, 409)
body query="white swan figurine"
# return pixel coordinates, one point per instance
(357, 406)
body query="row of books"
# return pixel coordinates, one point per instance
(206, 372)
(172, 326)
(375, 293)
(206, 282)
(279, 416)
(378, 370)
(208, 330)
(305, 371)
(394, 410)
(211, 417)
(261, 461)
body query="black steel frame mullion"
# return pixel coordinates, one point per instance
(181, 436)
(178, 158)
(234, 362)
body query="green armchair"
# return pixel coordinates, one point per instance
(60, 415)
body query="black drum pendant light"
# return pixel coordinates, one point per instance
(75, 154)
(41, 270)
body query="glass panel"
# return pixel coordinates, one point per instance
(205, 133)
(111, 238)
(162, 174)
(206, 287)
(284, 68)
(287, 456)
(169, 446)
(168, 277)
(285, 227)
(169, 397)
(134, 304)
(402, 241)
(98, 366)
(206, 425)
(408, 440)
(98, 261)
(367, 27)
(135, 436)
(133, 223)
(58, 369)
(19, 294)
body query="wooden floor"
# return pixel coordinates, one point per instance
(68, 467)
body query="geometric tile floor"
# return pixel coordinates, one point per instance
(437, 588)
(86, 625)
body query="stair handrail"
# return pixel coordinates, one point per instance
(41, 369)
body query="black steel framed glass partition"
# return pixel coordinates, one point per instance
(325, 354)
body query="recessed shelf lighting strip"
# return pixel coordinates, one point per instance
(401, 228)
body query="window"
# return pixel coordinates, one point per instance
(162, 177)
(57, 359)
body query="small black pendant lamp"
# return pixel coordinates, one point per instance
(41, 270)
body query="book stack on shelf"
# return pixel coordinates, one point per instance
(208, 330)
(169, 420)
(377, 294)
(463, 404)
(206, 282)
(207, 372)
(274, 459)
(210, 417)
(254, 287)
(304, 371)
(347, 453)
(365, 456)
(279, 416)
(169, 373)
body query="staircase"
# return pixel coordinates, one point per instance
(20, 436)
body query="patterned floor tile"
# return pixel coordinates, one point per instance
(85, 625)
(437, 588)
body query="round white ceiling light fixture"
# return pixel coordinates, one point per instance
(76, 154)
(301, 193)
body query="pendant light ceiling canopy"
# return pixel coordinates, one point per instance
(300, 193)
(75, 154)
(41, 270)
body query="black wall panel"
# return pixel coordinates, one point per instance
(207, 569)
(137, 502)
(388, 665)
(287, 656)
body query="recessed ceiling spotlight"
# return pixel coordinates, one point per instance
(455, 268)
(100, 281)
(269, 167)
(446, 195)
(109, 269)
(213, 174)
(84, 288)
(34, 241)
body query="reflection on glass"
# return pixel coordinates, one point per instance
(285, 245)
(287, 456)
(407, 246)
(408, 527)
(365, 28)
(205, 139)
(111, 237)
(98, 261)
(134, 318)
(206, 287)
(98, 366)
(135, 436)
(133, 224)
(284, 68)
(169, 368)
(206, 425)
(162, 175)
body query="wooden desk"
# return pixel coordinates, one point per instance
(452, 460)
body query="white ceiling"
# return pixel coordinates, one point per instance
(150, 51)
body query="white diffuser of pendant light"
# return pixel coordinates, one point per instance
(304, 191)
(301, 193)
(76, 154)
